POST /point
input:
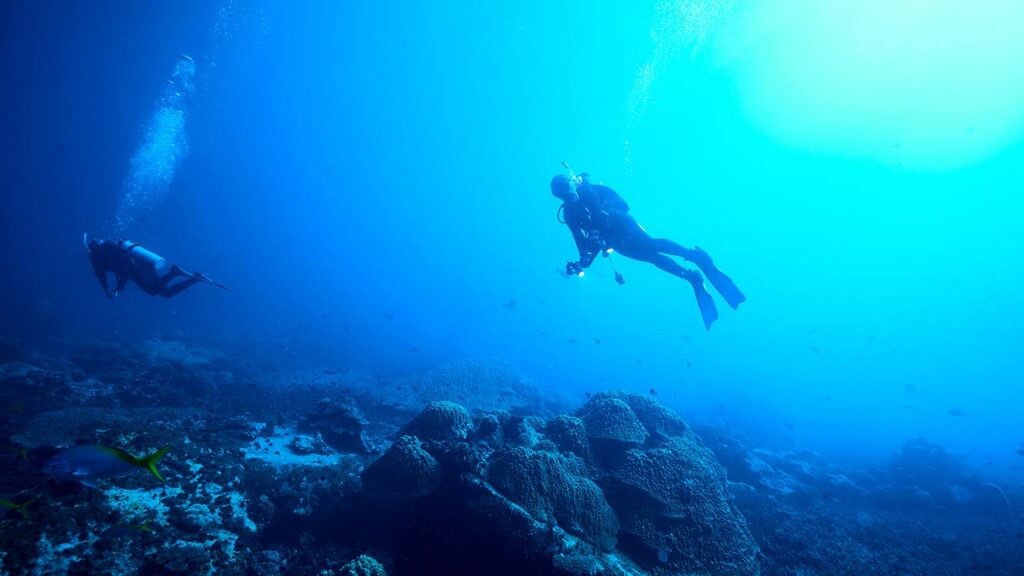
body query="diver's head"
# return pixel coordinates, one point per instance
(563, 188)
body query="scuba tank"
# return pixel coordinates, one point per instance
(141, 257)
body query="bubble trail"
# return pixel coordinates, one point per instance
(164, 144)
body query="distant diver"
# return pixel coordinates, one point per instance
(130, 261)
(600, 224)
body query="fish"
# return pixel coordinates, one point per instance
(21, 452)
(18, 507)
(956, 412)
(126, 530)
(653, 392)
(87, 464)
(1020, 451)
(512, 304)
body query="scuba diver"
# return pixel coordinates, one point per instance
(600, 224)
(130, 261)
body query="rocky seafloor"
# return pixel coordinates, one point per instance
(466, 469)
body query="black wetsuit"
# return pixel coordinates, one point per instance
(599, 219)
(113, 256)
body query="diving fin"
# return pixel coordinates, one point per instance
(722, 283)
(708, 310)
(202, 277)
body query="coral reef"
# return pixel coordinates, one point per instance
(606, 418)
(362, 566)
(482, 385)
(440, 421)
(405, 471)
(289, 476)
(339, 424)
(554, 489)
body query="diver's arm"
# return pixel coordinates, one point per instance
(101, 275)
(121, 281)
(583, 246)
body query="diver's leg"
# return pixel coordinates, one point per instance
(722, 283)
(666, 246)
(163, 281)
(164, 287)
(708, 310)
(172, 291)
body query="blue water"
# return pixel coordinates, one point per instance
(371, 179)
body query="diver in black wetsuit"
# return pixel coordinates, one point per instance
(599, 221)
(130, 261)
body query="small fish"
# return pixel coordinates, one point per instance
(789, 425)
(910, 388)
(1020, 451)
(869, 340)
(816, 350)
(588, 394)
(18, 507)
(126, 530)
(958, 413)
(653, 392)
(597, 340)
(414, 349)
(512, 304)
(571, 341)
(89, 464)
(389, 316)
(23, 452)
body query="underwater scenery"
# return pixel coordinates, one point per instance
(451, 287)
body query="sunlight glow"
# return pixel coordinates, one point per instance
(926, 84)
